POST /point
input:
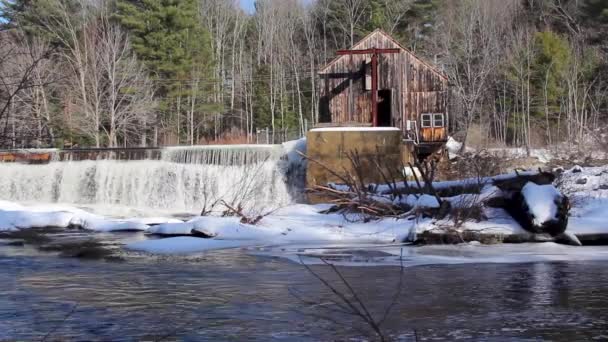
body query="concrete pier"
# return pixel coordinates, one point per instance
(329, 148)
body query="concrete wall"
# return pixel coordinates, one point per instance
(331, 147)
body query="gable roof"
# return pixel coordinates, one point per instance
(393, 40)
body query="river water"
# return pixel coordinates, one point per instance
(233, 295)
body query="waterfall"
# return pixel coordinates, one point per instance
(178, 180)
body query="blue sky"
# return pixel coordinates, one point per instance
(247, 5)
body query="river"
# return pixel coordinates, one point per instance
(233, 295)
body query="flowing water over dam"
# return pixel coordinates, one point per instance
(172, 180)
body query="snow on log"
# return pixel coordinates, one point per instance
(540, 209)
(542, 201)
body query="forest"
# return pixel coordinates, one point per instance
(113, 73)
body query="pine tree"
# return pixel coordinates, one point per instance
(32, 15)
(168, 37)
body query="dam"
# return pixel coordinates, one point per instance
(159, 180)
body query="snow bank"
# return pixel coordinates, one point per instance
(541, 201)
(587, 188)
(18, 219)
(14, 216)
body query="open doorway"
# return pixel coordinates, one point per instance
(384, 108)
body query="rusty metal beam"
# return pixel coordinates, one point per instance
(375, 53)
(367, 51)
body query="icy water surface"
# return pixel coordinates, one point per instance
(233, 296)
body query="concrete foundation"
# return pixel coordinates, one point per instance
(329, 148)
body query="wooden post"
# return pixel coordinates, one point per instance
(375, 88)
(375, 53)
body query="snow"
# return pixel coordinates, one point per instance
(15, 216)
(543, 155)
(181, 245)
(498, 222)
(541, 201)
(412, 172)
(422, 201)
(588, 198)
(453, 147)
(468, 182)
(19, 219)
(354, 129)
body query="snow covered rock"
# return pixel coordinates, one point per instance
(543, 209)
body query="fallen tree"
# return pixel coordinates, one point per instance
(528, 197)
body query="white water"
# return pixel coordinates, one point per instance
(185, 180)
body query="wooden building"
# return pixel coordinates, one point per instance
(412, 94)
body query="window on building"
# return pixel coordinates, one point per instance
(433, 120)
(427, 120)
(438, 120)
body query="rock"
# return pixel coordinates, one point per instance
(517, 207)
(581, 181)
(201, 233)
(603, 187)
(452, 237)
(577, 169)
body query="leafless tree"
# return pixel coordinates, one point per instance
(22, 76)
(470, 40)
(395, 11)
(127, 93)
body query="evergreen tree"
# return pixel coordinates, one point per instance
(552, 57)
(596, 10)
(31, 16)
(168, 37)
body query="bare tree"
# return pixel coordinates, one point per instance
(21, 73)
(127, 93)
(470, 39)
(354, 11)
(395, 11)
(75, 32)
